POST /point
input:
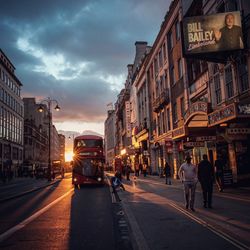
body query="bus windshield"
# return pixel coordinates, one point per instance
(88, 143)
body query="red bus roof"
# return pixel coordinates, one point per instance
(89, 137)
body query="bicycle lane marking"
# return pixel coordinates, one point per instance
(200, 221)
(25, 222)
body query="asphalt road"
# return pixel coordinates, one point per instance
(61, 217)
(151, 215)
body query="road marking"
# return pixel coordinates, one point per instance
(111, 191)
(138, 235)
(25, 222)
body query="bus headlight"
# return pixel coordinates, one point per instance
(99, 179)
(75, 179)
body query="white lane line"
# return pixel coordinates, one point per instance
(137, 233)
(111, 191)
(25, 222)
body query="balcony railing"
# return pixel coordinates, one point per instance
(161, 100)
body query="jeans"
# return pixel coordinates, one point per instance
(189, 193)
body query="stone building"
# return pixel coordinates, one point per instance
(11, 117)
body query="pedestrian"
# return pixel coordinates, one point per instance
(188, 175)
(127, 171)
(206, 179)
(137, 169)
(144, 169)
(116, 182)
(167, 171)
(219, 173)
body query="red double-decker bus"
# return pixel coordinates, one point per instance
(88, 161)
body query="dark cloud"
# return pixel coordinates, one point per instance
(70, 50)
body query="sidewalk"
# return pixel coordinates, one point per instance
(243, 192)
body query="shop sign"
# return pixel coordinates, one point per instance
(212, 33)
(238, 131)
(244, 109)
(128, 119)
(180, 146)
(169, 144)
(179, 132)
(194, 144)
(206, 138)
(222, 115)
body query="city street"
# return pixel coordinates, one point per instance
(151, 215)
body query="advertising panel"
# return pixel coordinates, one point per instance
(212, 33)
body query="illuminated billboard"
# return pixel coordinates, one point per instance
(213, 33)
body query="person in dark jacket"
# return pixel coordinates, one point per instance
(206, 178)
(219, 173)
(167, 172)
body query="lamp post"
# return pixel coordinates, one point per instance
(49, 101)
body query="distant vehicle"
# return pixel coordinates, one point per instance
(57, 168)
(88, 161)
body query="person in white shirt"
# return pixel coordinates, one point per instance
(188, 175)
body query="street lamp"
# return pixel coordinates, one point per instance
(49, 101)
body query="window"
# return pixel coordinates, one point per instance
(168, 119)
(182, 107)
(217, 86)
(156, 66)
(177, 30)
(160, 58)
(229, 81)
(244, 85)
(164, 52)
(180, 71)
(166, 79)
(172, 78)
(170, 40)
(175, 117)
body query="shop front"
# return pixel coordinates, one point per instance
(233, 128)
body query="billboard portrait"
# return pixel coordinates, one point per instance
(213, 33)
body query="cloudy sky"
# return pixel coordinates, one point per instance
(76, 51)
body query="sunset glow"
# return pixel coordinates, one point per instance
(69, 156)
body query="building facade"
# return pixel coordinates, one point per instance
(11, 118)
(189, 101)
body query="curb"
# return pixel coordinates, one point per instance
(28, 192)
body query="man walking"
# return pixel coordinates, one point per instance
(188, 175)
(206, 178)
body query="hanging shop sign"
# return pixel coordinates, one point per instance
(128, 119)
(244, 109)
(222, 115)
(206, 138)
(194, 144)
(212, 33)
(179, 132)
(238, 131)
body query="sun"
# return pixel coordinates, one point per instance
(69, 156)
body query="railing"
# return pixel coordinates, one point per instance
(161, 100)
